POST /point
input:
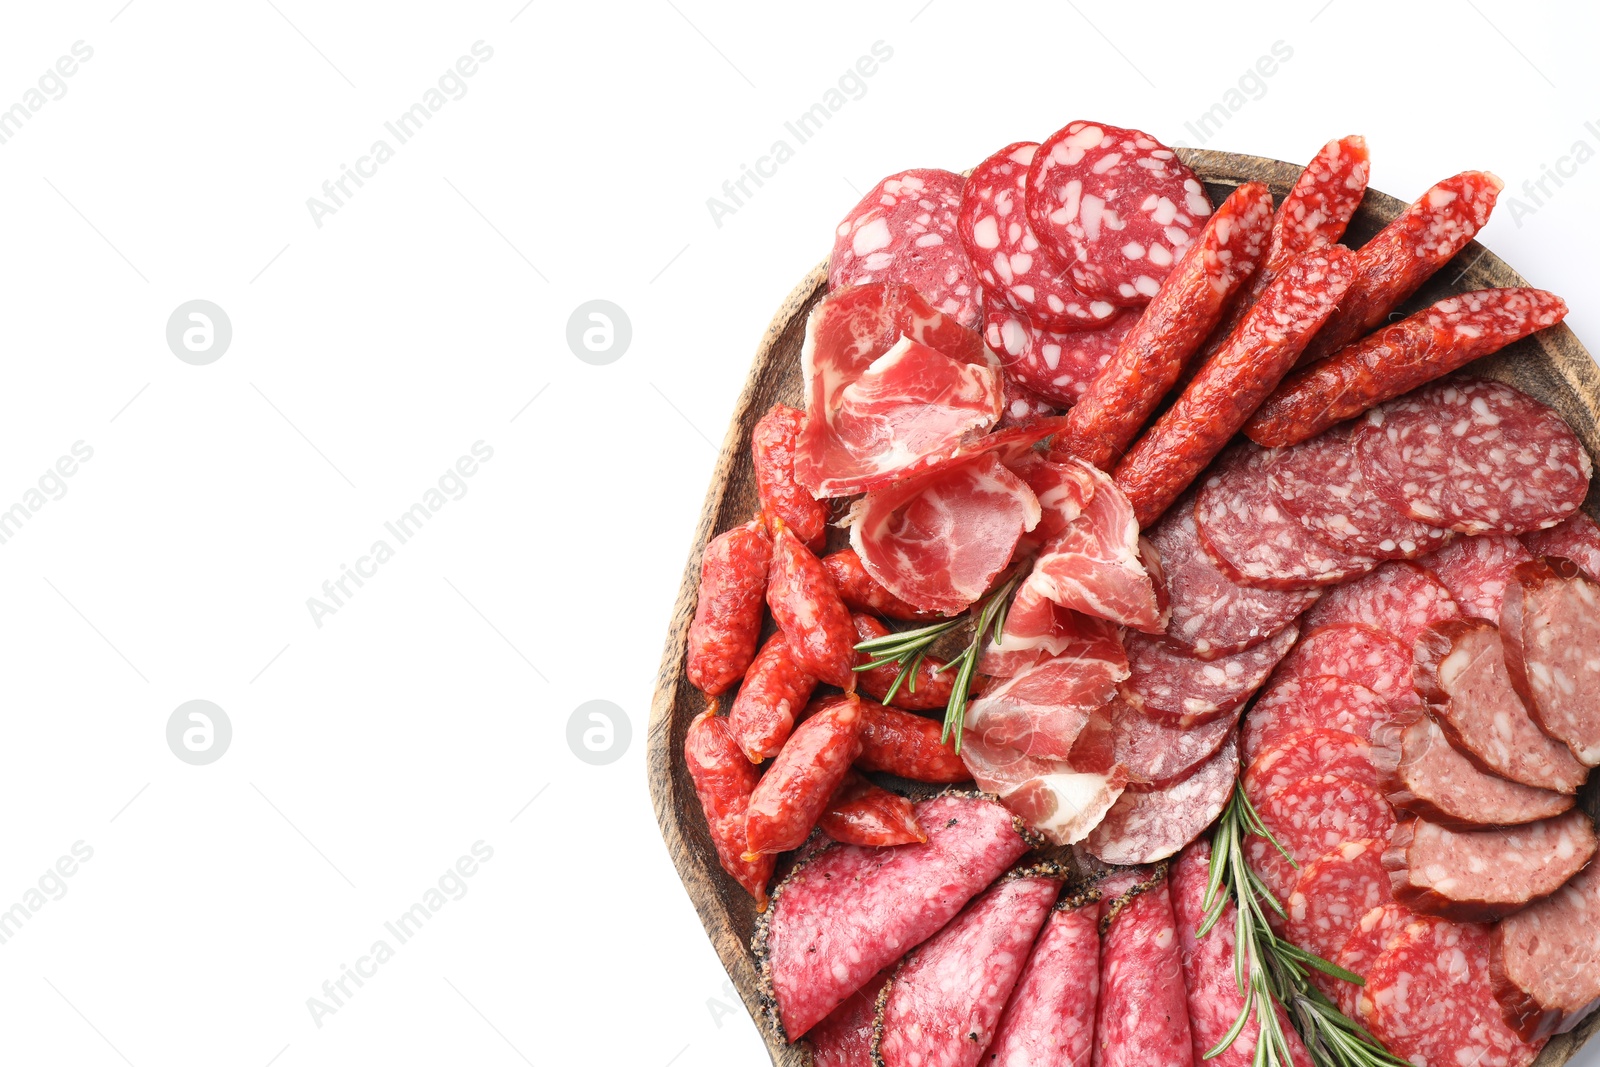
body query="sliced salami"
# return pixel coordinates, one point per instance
(1425, 775)
(1577, 539)
(1155, 751)
(944, 1002)
(845, 914)
(1461, 674)
(1359, 654)
(1211, 614)
(1428, 1000)
(1021, 405)
(1143, 1011)
(1549, 629)
(1050, 1017)
(904, 231)
(1331, 895)
(1150, 826)
(1116, 206)
(1366, 942)
(1321, 484)
(1254, 539)
(1057, 366)
(1306, 753)
(844, 1038)
(1545, 960)
(1008, 259)
(1188, 690)
(1398, 599)
(1310, 819)
(1476, 569)
(1313, 702)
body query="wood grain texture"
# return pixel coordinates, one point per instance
(1551, 365)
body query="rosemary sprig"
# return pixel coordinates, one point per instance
(1269, 970)
(909, 648)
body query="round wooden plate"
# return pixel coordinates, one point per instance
(1551, 365)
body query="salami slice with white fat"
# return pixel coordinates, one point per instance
(1312, 702)
(944, 1002)
(1256, 540)
(1050, 1016)
(1211, 614)
(1303, 754)
(1008, 259)
(1398, 599)
(1188, 690)
(849, 911)
(1331, 895)
(1372, 934)
(1361, 654)
(1310, 819)
(904, 231)
(1550, 626)
(844, 1038)
(1021, 405)
(1116, 206)
(1476, 569)
(1057, 366)
(1424, 774)
(1155, 751)
(1577, 539)
(1150, 826)
(1545, 960)
(1143, 1011)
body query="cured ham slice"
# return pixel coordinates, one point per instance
(1097, 564)
(1036, 629)
(892, 386)
(1049, 795)
(938, 541)
(1063, 489)
(1041, 711)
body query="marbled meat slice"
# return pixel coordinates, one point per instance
(844, 1038)
(1310, 819)
(1576, 538)
(1331, 895)
(1057, 366)
(1041, 710)
(1063, 799)
(1366, 942)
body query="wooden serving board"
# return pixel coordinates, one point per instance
(1552, 365)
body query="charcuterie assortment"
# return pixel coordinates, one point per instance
(1267, 632)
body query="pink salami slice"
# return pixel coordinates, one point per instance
(1255, 539)
(1212, 615)
(1313, 702)
(1143, 1011)
(1424, 774)
(1320, 482)
(1306, 753)
(1476, 571)
(1310, 819)
(847, 913)
(1359, 654)
(844, 1038)
(1398, 599)
(1577, 539)
(1150, 826)
(1057, 366)
(1372, 934)
(1474, 456)
(945, 1000)
(1545, 960)
(904, 231)
(1429, 1001)
(1050, 1017)
(1188, 690)
(1331, 895)
(1156, 752)
(1116, 206)
(1008, 259)
(1549, 628)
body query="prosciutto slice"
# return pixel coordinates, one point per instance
(1063, 489)
(938, 541)
(892, 386)
(1043, 710)
(1037, 628)
(1063, 799)
(1096, 564)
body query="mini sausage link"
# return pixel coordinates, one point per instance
(775, 689)
(806, 605)
(907, 746)
(727, 618)
(864, 814)
(724, 781)
(923, 691)
(772, 448)
(796, 789)
(861, 592)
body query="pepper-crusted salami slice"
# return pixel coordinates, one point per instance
(847, 912)
(1008, 259)
(1476, 571)
(902, 744)
(1050, 1016)
(861, 813)
(1310, 819)
(774, 690)
(796, 789)
(1143, 1011)
(1211, 614)
(1428, 1000)
(1057, 366)
(1359, 654)
(1397, 599)
(1152, 355)
(1576, 538)
(1155, 751)
(807, 608)
(1461, 674)
(1405, 253)
(1150, 826)
(928, 687)
(772, 448)
(1190, 691)
(1399, 358)
(1427, 776)
(844, 1038)
(1246, 530)
(1545, 960)
(1303, 754)
(1312, 702)
(727, 617)
(1321, 484)
(1116, 206)
(723, 782)
(861, 592)
(1331, 895)
(1549, 628)
(944, 1002)
(1213, 990)
(1233, 382)
(1366, 942)
(904, 231)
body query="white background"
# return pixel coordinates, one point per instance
(429, 313)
